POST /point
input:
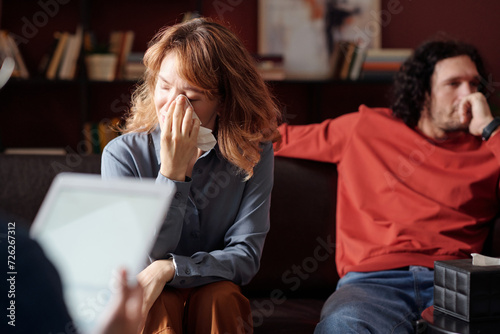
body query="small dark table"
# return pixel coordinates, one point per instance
(438, 322)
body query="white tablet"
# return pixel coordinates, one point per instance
(90, 228)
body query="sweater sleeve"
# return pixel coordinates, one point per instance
(324, 141)
(494, 145)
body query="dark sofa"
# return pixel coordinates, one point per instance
(298, 265)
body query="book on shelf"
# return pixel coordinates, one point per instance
(345, 60)
(350, 61)
(71, 55)
(357, 63)
(336, 59)
(55, 59)
(348, 52)
(388, 54)
(121, 45)
(61, 59)
(9, 49)
(98, 134)
(47, 57)
(116, 40)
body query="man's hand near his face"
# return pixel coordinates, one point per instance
(475, 111)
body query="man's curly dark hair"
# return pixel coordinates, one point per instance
(412, 84)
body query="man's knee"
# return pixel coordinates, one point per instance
(343, 320)
(355, 309)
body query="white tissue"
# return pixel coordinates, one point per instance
(206, 140)
(481, 260)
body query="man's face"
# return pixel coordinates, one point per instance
(453, 79)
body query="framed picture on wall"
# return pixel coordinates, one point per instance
(306, 32)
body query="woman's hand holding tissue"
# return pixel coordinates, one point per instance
(179, 134)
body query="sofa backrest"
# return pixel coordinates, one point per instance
(25, 179)
(299, 254)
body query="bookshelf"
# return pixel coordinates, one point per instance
(38, 112)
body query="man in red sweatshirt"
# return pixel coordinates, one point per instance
(417, 183)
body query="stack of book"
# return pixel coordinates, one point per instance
(9, 49)
(346, 60)
(352, 62)
(61, 61)
(383, 63)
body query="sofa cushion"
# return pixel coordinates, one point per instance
(299, 254)
(293, 316)
(25, 179)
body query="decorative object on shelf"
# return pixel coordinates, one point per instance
(101, 66)
(108, 62)
(306, 33)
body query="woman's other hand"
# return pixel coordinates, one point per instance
(153, 280)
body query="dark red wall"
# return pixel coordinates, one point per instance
(405, 23)
(477, 22)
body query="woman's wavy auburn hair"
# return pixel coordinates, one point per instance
(212, 58)
(412, 84)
